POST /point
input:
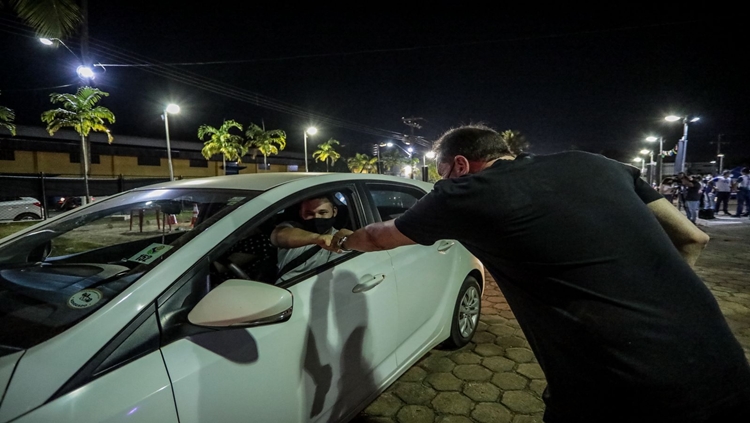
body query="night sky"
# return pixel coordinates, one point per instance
(600, 82)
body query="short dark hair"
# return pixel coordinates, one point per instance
(325, 196)
(476, 142)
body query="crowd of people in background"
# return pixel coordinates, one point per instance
(694, 193)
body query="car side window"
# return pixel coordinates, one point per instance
(252, 256)
(392, 201)
(296, 264)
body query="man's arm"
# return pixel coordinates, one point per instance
(374, 237)
(688, 239)
(291, 237)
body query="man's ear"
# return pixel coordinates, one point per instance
(462, 166)
(335, 211)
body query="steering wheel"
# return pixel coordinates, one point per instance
(227, 265)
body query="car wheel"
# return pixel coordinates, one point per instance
(27, 216)
(465, 314)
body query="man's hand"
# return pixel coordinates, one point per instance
(327, 242)
(340, 234)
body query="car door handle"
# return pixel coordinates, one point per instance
(369, 283)
(445, 246)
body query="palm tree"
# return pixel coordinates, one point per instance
(325, 151)
(6, 118)
(232, 147)
(265, 141)
(413, 163)
(50, 18)
(362, 163)
(80, 112)
(515, 140)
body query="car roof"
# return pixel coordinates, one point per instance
(266, 181)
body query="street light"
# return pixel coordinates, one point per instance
(660, 163)
(650, 164)
(679, 163)
(312, 131)
(642, 162)
(173, 109)
(84, 72)
(721, 162)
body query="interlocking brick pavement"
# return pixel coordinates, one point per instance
(496, 377)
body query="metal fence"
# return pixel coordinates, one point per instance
(49, 189)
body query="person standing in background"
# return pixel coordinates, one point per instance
(743, 193)
(692, 193)
(722, 185)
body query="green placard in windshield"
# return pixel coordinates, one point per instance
(150, 253)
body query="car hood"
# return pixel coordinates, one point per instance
(7, 366)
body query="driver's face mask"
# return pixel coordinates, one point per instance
(318, 225)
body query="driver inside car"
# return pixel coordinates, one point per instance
(307, 243)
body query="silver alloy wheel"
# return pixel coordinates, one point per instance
(468, 314)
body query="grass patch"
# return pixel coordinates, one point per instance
(13, 227)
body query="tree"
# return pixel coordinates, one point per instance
(515, 140)
(80, 112)
(6, 118)
(265, 141)
(49, 18)
(413, 163)
(389, 159)
(326, 151)
(231, 147)
(362, 163)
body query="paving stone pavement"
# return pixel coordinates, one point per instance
(496, 377)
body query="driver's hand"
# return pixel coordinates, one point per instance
(326, 242)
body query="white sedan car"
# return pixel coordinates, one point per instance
(105, 321)
(20, 208)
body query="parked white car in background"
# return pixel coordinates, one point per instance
(20, 208)
(101, 320)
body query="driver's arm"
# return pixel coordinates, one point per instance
(287, 236)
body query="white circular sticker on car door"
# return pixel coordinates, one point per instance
(85, 298)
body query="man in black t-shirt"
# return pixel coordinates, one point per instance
(601, 285)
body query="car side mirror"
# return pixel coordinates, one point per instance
(242, 303)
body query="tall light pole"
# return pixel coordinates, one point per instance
(679, 163)
(642, 162)
(376, 150)
(659, 158)
(721, 163)
(650, 164)
(173, 109)
(312, 131)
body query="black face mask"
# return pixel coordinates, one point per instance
(318, 226)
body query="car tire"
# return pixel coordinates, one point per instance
(465, 316)
(27, 216)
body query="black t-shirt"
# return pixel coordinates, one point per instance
(618, 320)
(693, 193)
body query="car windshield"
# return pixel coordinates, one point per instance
(60, 272)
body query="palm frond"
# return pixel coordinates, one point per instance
(50, 18)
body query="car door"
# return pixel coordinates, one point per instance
(332, 354)
(421, 271)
